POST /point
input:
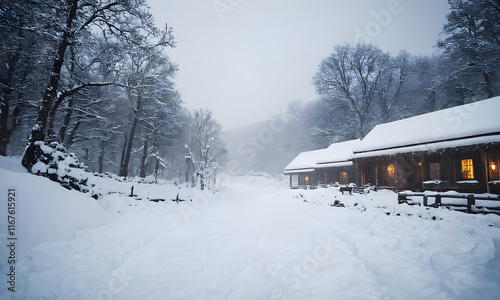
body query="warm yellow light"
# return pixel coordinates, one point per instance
(390, 170)
(307, 178)
(493, 166)
(467, 169)
(420, 164)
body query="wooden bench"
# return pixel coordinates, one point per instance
(355, 189)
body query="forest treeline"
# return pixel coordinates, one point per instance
(361, 86)
(93, 76)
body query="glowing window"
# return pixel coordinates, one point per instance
(307, 178)
(467, 169)
(344, 178)
(390, 171)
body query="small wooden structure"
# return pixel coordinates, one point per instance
(329, 166)
(451, 149)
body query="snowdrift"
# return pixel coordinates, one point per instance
(45, 211)
(253, 239)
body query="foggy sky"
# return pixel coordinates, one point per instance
(247, 59)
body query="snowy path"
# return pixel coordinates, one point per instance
(257, 240)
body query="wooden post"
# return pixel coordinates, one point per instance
(423, 178)
(485, 161)
(401, 198)
(361, 167)
(471, 201)
(132, 191)
(396, 174)
(438, 200)
(426, 200)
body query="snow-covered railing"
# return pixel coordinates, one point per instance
(487, 204)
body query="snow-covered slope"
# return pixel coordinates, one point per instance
(44, 210)
(255, 239)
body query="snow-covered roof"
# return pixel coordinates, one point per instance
(473, 123)
(336, 155)
(304, 162)
(338, 152)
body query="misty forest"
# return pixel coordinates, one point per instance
(93, 77)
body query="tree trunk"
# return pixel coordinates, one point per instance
(58, 101)
(38, 130)
(202, 182)
(123, 153)
(101, 157)
(142, 173)
(157, 167)
(488, 84)
(128, 149)
(360, 120)
(67, 119)
(71, 135)
(6, 132)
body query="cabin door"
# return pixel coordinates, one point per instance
(344, 178)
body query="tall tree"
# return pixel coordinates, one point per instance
(392, 83)
(205, 144)
(147, 79)
(353, 76)
(21, 57)
(472, 43)
(126, 20)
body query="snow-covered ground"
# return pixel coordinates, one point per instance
(254, 239)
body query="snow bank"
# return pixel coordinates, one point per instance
(45, 211)
(255, 239)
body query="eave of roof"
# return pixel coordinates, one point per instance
(431, 147)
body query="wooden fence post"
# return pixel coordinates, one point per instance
(401, 198)
(471, 201)
(426, 200)
(438, 200)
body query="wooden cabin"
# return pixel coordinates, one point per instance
(329, 166)
(451, 149)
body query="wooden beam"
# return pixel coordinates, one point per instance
(485, 161)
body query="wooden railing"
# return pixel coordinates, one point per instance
(470, 204)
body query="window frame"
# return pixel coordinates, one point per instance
(467, 168)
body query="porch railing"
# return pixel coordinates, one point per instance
(470, 204)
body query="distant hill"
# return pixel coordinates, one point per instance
(259, 147)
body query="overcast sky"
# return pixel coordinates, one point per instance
(247, 59)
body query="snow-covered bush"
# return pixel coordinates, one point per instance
(55, 163)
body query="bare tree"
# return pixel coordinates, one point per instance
(393, 78)
(147, 83)
(205, 145)
(353, 76)
(22, 57)
(126, 20)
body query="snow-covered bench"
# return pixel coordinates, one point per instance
(352, 188)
